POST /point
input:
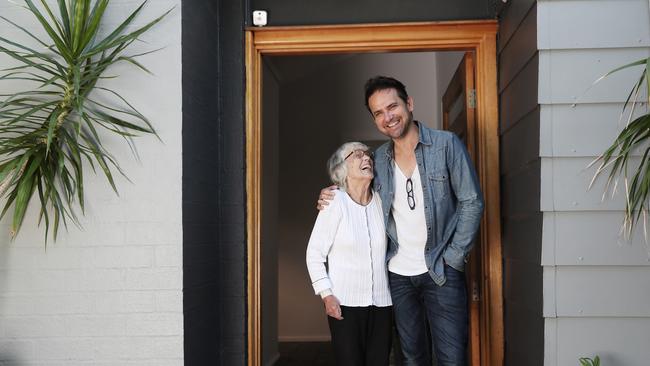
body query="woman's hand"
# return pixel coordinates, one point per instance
(326, 195)
(332, 307)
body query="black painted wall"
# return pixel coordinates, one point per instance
(214, 262)
(214, 204)
(308, 12)
(520, 184)
(200, 193)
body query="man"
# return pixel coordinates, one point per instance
(432, 207)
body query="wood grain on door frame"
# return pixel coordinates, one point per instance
(478, 36)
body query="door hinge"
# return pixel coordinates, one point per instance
(471, 98)
(475, 295)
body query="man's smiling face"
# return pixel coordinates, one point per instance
(391, 114)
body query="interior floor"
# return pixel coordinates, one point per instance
(312, 354)
(306, 353)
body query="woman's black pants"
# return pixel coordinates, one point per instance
(363, 337)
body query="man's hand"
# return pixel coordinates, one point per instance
(332, 307)
(326, 195)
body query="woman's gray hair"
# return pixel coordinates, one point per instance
(336, 166)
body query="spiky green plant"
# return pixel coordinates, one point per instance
(52, 127)
(586, 361)
(618, 156)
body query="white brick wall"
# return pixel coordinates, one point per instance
(111, 293)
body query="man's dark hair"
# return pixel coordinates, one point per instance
(383, 83)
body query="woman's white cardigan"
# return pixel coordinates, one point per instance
(351, 239)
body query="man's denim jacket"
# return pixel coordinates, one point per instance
(453, 203)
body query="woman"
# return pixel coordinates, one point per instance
(349, 235)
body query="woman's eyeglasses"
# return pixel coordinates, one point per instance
(358, 154)
(410, 198)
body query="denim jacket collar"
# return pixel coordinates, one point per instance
(423, 138)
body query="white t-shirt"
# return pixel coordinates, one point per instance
(411, 227)
(351, 238)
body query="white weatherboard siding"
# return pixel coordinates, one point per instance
(596, 288)
(567, 128)
(565, 76)
(110, 294)
(621, 341)
(579, 24)
(590, 238)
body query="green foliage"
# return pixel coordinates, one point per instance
(617, 157)
(585, 361)
(52, 128)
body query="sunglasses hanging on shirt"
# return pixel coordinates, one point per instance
(410, 198)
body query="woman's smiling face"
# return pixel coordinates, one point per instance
(359, 165)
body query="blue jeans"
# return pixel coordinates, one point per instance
(416, 300)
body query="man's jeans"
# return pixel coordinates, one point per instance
(417, 299)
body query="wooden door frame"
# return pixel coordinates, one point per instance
(461, 85)
(478, 36)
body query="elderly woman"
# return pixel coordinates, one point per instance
(349, 236)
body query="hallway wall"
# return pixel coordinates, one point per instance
(416, 70)
(446, 65)
(307, 138)
(270, 212)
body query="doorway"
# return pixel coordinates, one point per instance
(342, 43)
(312, 105)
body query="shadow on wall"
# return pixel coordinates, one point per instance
(7, 358)
(18, 282)
(9, 350)
(5, 242)
(306, 140)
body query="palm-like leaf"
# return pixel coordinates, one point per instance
(618, 156)
(50, 130)
(586, 361)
